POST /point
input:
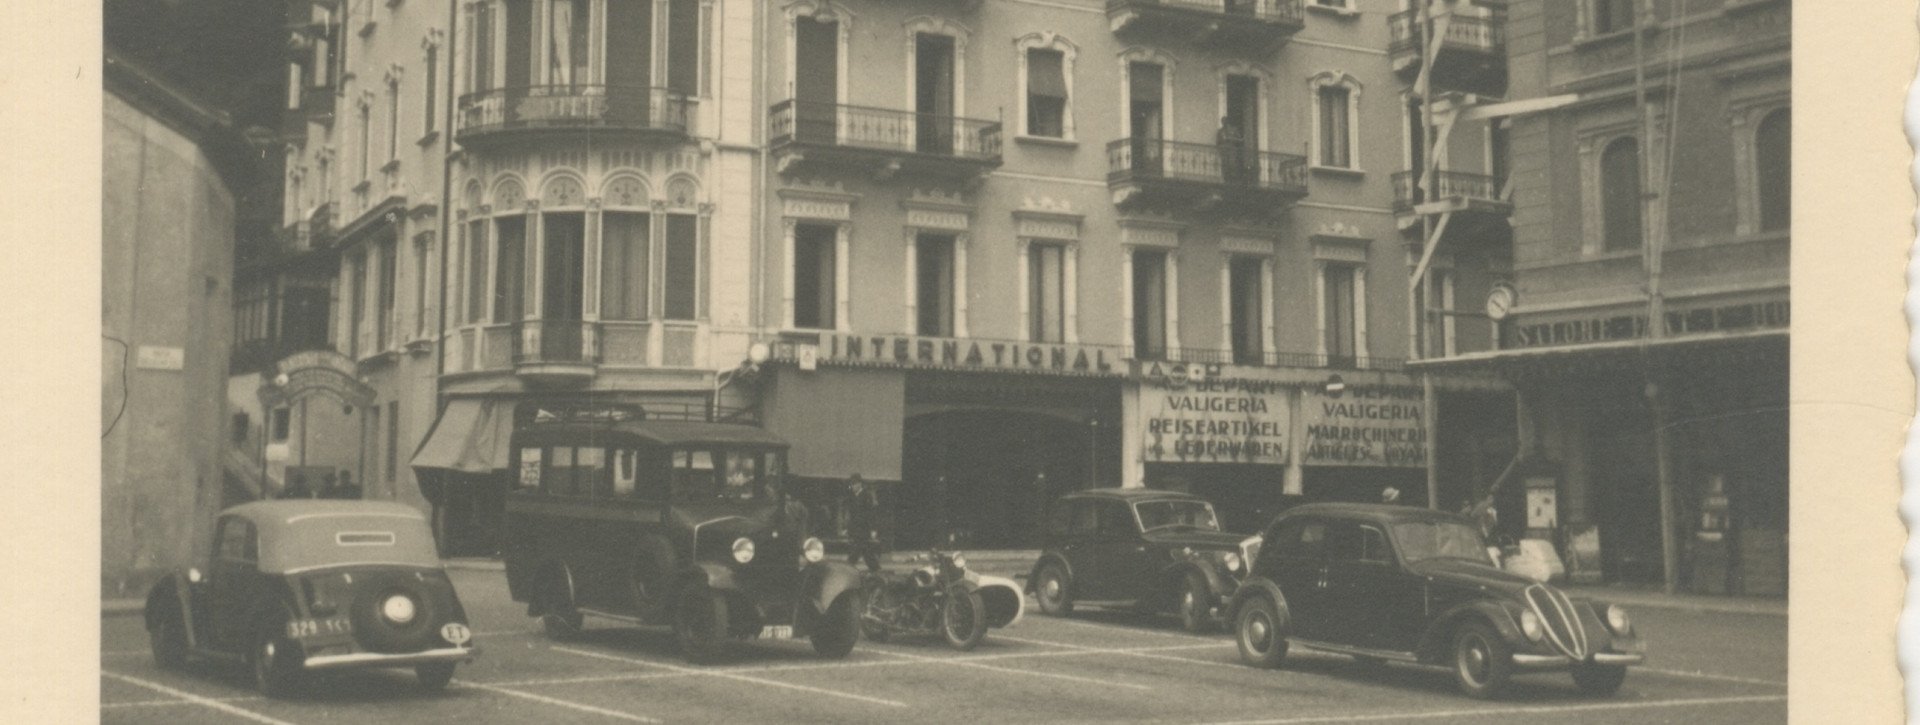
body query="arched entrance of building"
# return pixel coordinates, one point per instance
(986, 476)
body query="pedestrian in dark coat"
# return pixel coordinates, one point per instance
(863, 531)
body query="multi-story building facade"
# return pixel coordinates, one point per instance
(1011, 249)
(1646, 329)
(995, 250)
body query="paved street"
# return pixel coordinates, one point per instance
(1704, 667)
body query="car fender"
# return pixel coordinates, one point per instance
(714, 576)
(824, 581)
(173, 596)
(1487, 611)
(1259, 586)
(536, 605)
(1175, 576)
(1005, 606)
(1045, 558)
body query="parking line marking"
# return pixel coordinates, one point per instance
(195, 699)
(1137, 630)
(734, 676)
(562, 703)
(1708, 676)
(962, 662)
(1134, 653)
(162, 703)
(1518, 710)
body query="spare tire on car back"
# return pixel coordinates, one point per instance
(394, 612)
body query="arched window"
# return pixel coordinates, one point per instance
(1620, 194)
(1773, 169)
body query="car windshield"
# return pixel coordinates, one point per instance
(1421, 540)
(1164, 514)
(723, 475)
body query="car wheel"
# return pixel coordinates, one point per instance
(963, 621)
(1257, 629)
(1599, 679)
(561, 620)
(1050, 590)
(1195, 605)
(699, 618)
(275, 671)
(836, 631)
(434, 676)
(169, 641)
(1481, 661)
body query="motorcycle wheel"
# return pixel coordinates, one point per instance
(963, 621)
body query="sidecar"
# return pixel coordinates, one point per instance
(1002, 598)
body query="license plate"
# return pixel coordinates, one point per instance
(777, 631)
(311, 627)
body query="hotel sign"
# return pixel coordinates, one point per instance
(945, 353)
(1207, 414)
(1700, 320)
(1365, 425)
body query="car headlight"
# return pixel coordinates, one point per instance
(813, 550)
(1617, 620)
(959, 561)
(1232, 561)
(398, 609)
(743, 550)
(1530, 625)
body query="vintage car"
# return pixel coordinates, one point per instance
(1400, 583)
(1158, 551)
(661, 521)
(301, 586)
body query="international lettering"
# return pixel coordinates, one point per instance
(914, 351)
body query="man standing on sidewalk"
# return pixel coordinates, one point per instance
(863, 534)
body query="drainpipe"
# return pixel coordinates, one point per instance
(446, 201)
(1651, 230)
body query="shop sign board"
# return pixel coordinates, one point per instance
(1210, 414)
(1365, 425)
(946, 353)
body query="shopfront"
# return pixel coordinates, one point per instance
(969, 440)
(1612, 427)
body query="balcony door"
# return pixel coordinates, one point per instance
(816, 79)
(563, 245)
(933, 93)
(1240, 132)
(629, 63)
(1146, 117)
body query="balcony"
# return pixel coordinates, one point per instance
(1474, 200)
(556, 351)
(1260, 25)
(1472, 57)
(809, 136)
(1170, 176)
(507, 114)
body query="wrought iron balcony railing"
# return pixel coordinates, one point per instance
(1446, 185)
(1482, 33)
(556, 341)
(576, 106)
(1272, 11)
(1142, 159)
(821, 124)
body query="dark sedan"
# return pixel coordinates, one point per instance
(1398, 583)
(1151, 550)
(301, 586)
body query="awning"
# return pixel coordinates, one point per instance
(1609, 355)
(471, 436)
(839, 421)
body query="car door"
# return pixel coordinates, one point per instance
(1297, 550)
(1381, 604)
(1128, 559)
(231, 584)
(1080, 526)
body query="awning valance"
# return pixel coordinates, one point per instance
(839, 421)
(471, 436)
